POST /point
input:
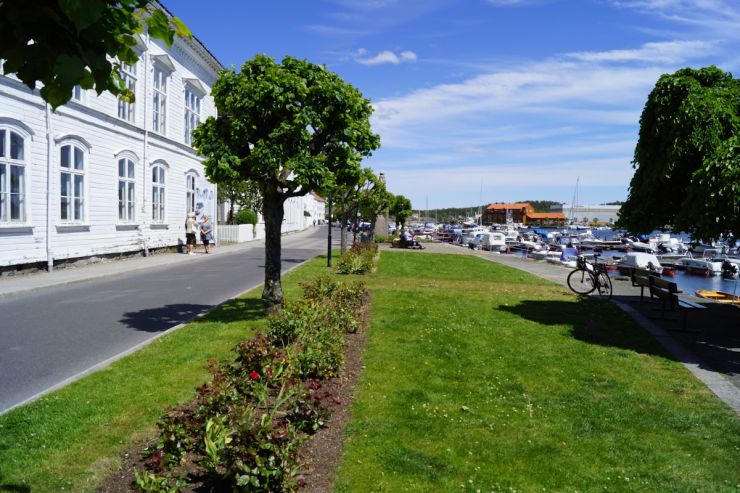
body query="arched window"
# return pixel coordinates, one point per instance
(126, 109)
(72, 169)
(126, 188)
(13, 155)
(190, 193)
(158, 193)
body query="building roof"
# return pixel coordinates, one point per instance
(198, 45)
(517, 205)
(545, 215)
(318, 197)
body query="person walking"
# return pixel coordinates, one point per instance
(206, 230)
(191, 227)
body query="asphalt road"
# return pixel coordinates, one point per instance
(53, 334)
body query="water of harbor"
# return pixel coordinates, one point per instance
(688, 283)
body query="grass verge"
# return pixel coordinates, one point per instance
(483, 378)
(72, 439)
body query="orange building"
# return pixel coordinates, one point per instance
(521, 212)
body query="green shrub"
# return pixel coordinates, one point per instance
(360, 259)
(246, 216)
(245, 427)
(313, 334)
(385, 238)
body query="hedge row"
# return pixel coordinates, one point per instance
(244, 429)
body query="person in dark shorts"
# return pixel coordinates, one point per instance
(191, 227)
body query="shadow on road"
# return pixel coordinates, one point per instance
(163, 318)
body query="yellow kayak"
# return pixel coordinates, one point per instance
(718, 296)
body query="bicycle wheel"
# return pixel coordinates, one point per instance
(581, 281)
(604, 285)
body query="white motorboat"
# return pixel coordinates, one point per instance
(545, 254)
(639, 260)
(491, 241)
(708, 265)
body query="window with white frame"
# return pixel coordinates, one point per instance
(77, 93)
(158, 190)
(128, 75)
(126, 190)
(72, 183)
(12, 176)
(190, 193)
(159, 101)
(192, 113)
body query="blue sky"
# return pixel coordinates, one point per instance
(502, 100)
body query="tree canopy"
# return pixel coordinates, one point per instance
(64, 43)
(687, 158)
(291, 127)
(400, 209)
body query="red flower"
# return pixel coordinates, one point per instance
(254, 375)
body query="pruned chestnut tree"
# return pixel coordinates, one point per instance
(291, 127)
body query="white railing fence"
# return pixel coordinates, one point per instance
(239, 233)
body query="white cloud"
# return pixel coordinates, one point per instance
(385, 57)
(662, 52)
(537, 124)
(716, 18)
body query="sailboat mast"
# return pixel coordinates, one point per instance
(573, 206)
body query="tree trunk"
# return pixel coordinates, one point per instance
(273, 212)
(343, 235)
(231, 212)
(372, 228)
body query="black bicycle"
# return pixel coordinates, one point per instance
(590, 278)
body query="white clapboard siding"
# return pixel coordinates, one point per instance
(94, 121)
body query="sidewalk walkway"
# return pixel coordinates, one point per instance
(712, 354)
(18, 284)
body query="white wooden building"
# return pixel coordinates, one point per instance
(100, 177)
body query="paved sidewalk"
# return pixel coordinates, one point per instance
(18, 284)
(712, 353)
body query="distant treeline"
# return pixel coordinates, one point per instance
(455, 214)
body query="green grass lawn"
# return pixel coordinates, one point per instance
(72, 439)
(483, 378)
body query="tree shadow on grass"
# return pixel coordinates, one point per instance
(14, 488)
(605, 324)
(590, 321)
(237, 310)
(162, 318)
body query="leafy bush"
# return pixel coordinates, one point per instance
(244, 428)
(246, 216)
(359, 259)
(247, 423)
(385, 238)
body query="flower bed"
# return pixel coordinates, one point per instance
(246, 426)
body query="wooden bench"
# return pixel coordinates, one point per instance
(667, 293)
(641, 278)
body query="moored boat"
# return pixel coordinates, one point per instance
(638, 260)
(706, 266)
(718, 296)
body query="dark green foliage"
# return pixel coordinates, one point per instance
(540, 205)
(290, 128)
(686, 159)
(72, 40)
(400, 209)
(245, 216)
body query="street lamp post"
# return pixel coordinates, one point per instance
(328, 247)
